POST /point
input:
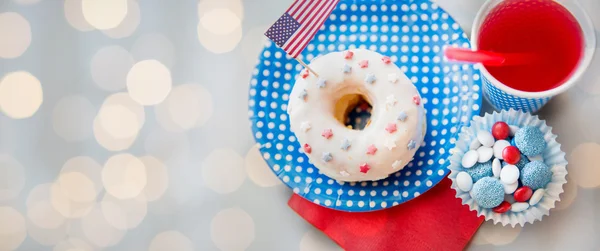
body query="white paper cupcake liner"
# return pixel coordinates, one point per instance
(553, 156)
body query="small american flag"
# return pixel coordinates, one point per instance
(298, 25)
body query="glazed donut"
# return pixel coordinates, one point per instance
(319, 106)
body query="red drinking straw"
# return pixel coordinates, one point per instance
(487, 58)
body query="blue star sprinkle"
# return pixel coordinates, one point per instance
(346, 144)
(412, 144)
(303, 94)
(326, 157)
(370, 79)
(402, 116)
(347, 68)
(321, 83)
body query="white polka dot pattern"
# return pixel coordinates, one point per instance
(504, 101)
(414, 39)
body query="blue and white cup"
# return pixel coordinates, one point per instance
(503, 97)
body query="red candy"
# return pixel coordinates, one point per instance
(502, 208)
(371, 150)
(304, 73)
(511, 155)
(417, 100)
(391, 127)
(349, 55)
(327, 133)
(307, 148)
(523, 194)
(500, 130)
(364, 64)
(386, 60)
(364, 168)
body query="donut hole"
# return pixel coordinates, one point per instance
(354, 111)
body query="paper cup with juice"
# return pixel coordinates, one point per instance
(557, 34)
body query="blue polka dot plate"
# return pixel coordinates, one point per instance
(413, 33)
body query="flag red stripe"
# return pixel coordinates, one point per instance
(302, 16)
(298, 34)
(292, 7)
(301, 9)
(313, 29)
(316, 26)
(298, 5)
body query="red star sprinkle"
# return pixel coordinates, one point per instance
(417, 100)
(386, 60)
(364, 168)
(327, 133)
(304, 73)
(391, 127)
(371, 149)
(307, 148)
(349, 55)
(364, 64)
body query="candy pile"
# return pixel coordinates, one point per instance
(504, 169)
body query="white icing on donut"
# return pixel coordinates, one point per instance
(397, 125)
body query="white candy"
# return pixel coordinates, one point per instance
(496, 168)
(475, 144)
(534, 158)
(485, 138)
(509, 174)
(469, 159)
(499, 147)
(510, 188)
(519, 207)
(537, 196)
(513, 130)
(464, 181)
(485, 154)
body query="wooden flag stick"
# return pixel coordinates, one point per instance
(306, 66)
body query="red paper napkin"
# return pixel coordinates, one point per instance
(435, 220)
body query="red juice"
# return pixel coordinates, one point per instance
(542, 28)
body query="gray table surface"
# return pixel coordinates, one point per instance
(85, 167)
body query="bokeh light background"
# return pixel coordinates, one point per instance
(123, 126)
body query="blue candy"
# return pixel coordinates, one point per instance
(522, 162)
(536, 175)
(480, 170)
(530, 140)
(488, 192)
